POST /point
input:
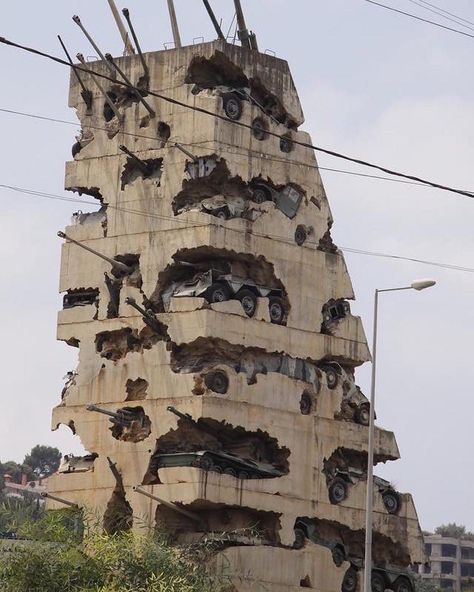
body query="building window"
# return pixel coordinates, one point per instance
(428, 548)
(447, 567)
(448, 550)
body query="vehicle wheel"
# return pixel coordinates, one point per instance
(377, 582)
(337, 490)
(276, 310)
(230, 471)
(402, 584)
(332, 377)
(338, 556)
(243, 475)
(391, 501)
(223, 214)
(286, 144)
(217, 293)
(301, 235)
(217, 381)
(206, 464)
(232, 106)
(248, 300)
(217, 469)
(362, 414)
(259, 129)
(350, 581)
(300, 539)
(305, 404)
(260, 194)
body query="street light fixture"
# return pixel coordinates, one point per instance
(417, 285)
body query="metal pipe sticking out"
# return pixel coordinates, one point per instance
(184, 151)
(146, 71)
(247, 38)
(129, 49)
(170, 505)
(212, 16)
(109, 101)
(78, 22)
(115, 264)
(141, 164)
(135, 91)
(59, 499)
(174, 24)
(85, 93)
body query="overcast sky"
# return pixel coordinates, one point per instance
(373, 84)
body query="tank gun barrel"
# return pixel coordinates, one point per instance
(170, 505)
(78, 22)
(109, 101)
(123, 417)
(59, 499)
(146, 71)
(141, 164)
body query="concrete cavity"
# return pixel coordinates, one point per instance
(150, 168)
(333, 312)
(130, 424)
(77, 464)
(136, 389)
(118, 516)
(114, 345)
(163, 133)
(81, 297)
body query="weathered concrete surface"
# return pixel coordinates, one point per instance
(278, 383)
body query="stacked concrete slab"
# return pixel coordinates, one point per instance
(272, 388)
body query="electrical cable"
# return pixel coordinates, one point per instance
(261, 235)
(447, 12)
(247, 126)
(440, 13)
(419, 18)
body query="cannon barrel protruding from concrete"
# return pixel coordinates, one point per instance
(201, 425)
(122, 417)
(133, 88)
(184, 151)
(78, 22)
(170, 505)
(215, 22)
(59, 499)
(116, 265)
(146, 72)
(106, 96)
(141, 164)
(86, 94)
(148, 316)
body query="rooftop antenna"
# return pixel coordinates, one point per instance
(135, 91)
(129, 49)
(174, 24)
(85, 93)
(247, 38)
(78, 22)
(81, 58)
(212, 16)
(146, 72)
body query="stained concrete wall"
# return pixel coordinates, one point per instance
(269, 366)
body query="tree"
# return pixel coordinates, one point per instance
(452, 529)
(15, 470)
(43, 460)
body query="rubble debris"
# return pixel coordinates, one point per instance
(163, 132)
(347, 467)
(135, 168)
(136, 389)
(118, 516)
(326, 243)
(350, 543)
(204, 354)
(81, 297)
(334, 311)
(235, 521)
(114, 345)
(70, 379)
(301, 234)
(77, 464)
(219, 447)
(222, 76)
(219, 275)
(129, 424)
(354, 406)
(84, 138)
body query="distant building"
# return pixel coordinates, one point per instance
(451, 563)
(12, 489)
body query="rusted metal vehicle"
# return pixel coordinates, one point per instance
(388, 577)
(287, 200)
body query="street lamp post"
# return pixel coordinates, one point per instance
(418, 285)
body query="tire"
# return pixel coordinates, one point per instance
(332, 377)
(286, 144)
(362, 414)
(248, 300)
(218, 469)
(305, 404)
(217, 293)
(300, 538)
(377, 582)
(391, 501)
(338, 556)
(402, 584)
(337, 491)
(259, 129)
(243, 475)
(232, 106)
(301, 235)
(223, 214)
(217, 381)
(206, 464)
(230, 471)
(350, 581)
(260, 195)
(276, 310)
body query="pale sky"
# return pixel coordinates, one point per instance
(373, 84)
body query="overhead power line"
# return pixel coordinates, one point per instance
(456, 20)
(460, 18)
(333, 153)
(151, 215)
(419, 18)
